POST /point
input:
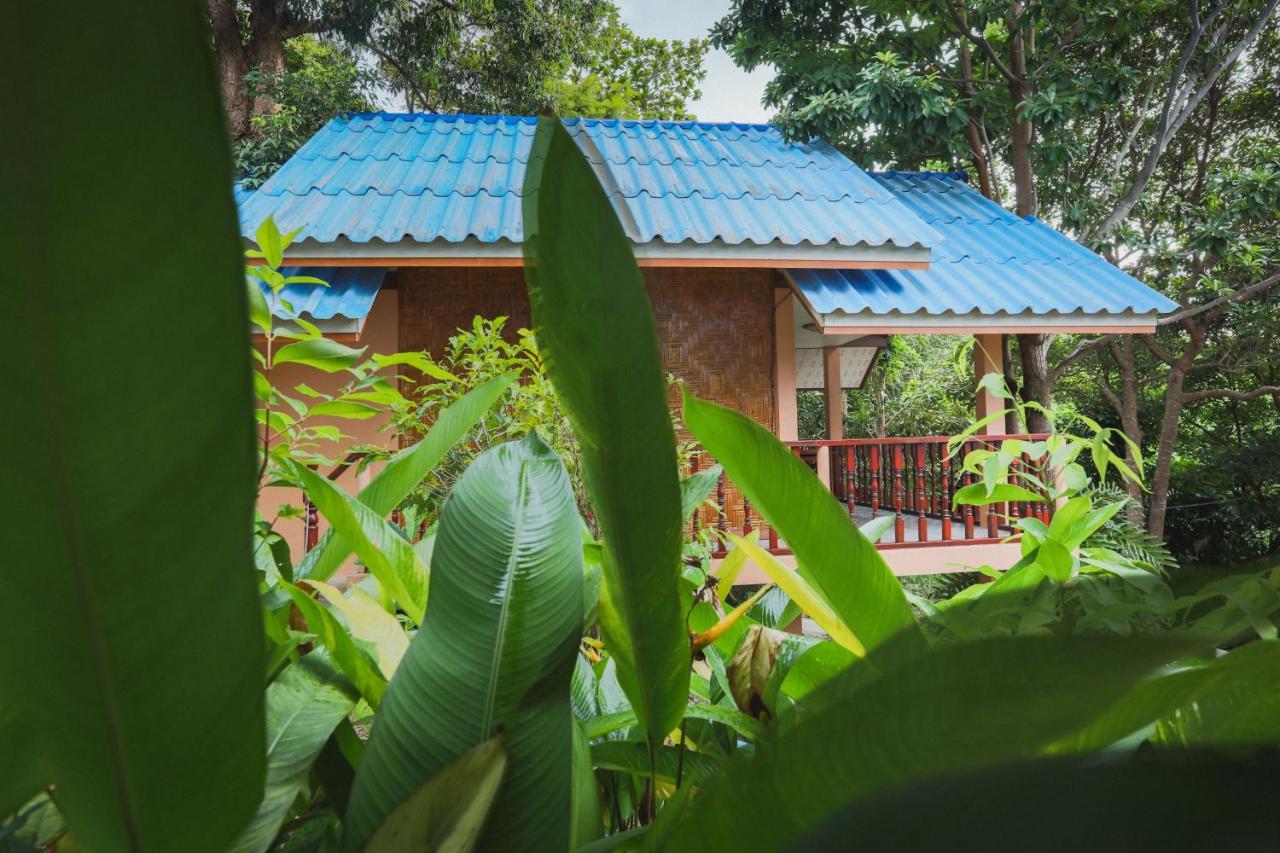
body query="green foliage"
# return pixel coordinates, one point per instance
(594, 321)
(304, 705)
(623, 75)
(319, 80)
(132, 673)
(494, 655)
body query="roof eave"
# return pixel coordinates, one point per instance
(503, 252)
(1026, 322)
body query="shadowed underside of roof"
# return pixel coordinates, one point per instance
(988, 261)
(424, 178)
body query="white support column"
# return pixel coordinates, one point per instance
(784, 365)
(834, 407)
(988, 357)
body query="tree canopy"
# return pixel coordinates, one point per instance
(286, 68)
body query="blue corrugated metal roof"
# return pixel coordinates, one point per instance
(350, 293)
(988, 261)
(428, 177)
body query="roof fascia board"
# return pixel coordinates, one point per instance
(963, 324)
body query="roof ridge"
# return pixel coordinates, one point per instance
(508, 118)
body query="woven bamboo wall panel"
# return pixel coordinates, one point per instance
(715, 329)
(436, 302)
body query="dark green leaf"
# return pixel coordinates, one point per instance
(595, 329)
(134, 647)
(1014, 694)
(304, 705)
(1110, 807)
(495, 652)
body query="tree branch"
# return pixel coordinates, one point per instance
(1242, 295)
(1180, 93)
(1230, 394)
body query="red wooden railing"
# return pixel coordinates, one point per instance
(915, 479)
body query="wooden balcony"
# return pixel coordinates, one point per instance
(911, 480)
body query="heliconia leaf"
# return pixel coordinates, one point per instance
(803, 595)
(320, 353)
(586, 824)
(448, 812)
(403, 472)
(304, 705)
(1240, 709)
(833, 556)
(494, 654)
(367, 621)
(595, 330)
(728, 570)
(1016, 695)
(354, 661)
(388, 555)
(1171, 802)
(133, 643)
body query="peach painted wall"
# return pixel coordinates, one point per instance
(381, 335)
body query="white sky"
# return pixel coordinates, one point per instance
(728, 93)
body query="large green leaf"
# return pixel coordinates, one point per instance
(348, 656)
(595, 329)
(495, 653)
(1241, 708)
(304, 705)
(447, 813)
(368, 621)
(133, 643)
(833, 556)
(953, 709)
(388, 555)
(404, 471)
(1068, 804)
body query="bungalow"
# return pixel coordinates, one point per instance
(770, 266)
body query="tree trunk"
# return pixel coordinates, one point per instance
(1174, 401)
(233, 63)
(1011, 424)
(267, 45)
(1123, 353)
(977, 151)
(1037, 381)
(1024, 181)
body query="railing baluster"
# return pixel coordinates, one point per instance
(875, 480)
(968, 508)
(850, 469)
(922, 505)
(899, 524)
(746, 518)
(693, 469)
(311, 525)
(722, 521)
(944, 476)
